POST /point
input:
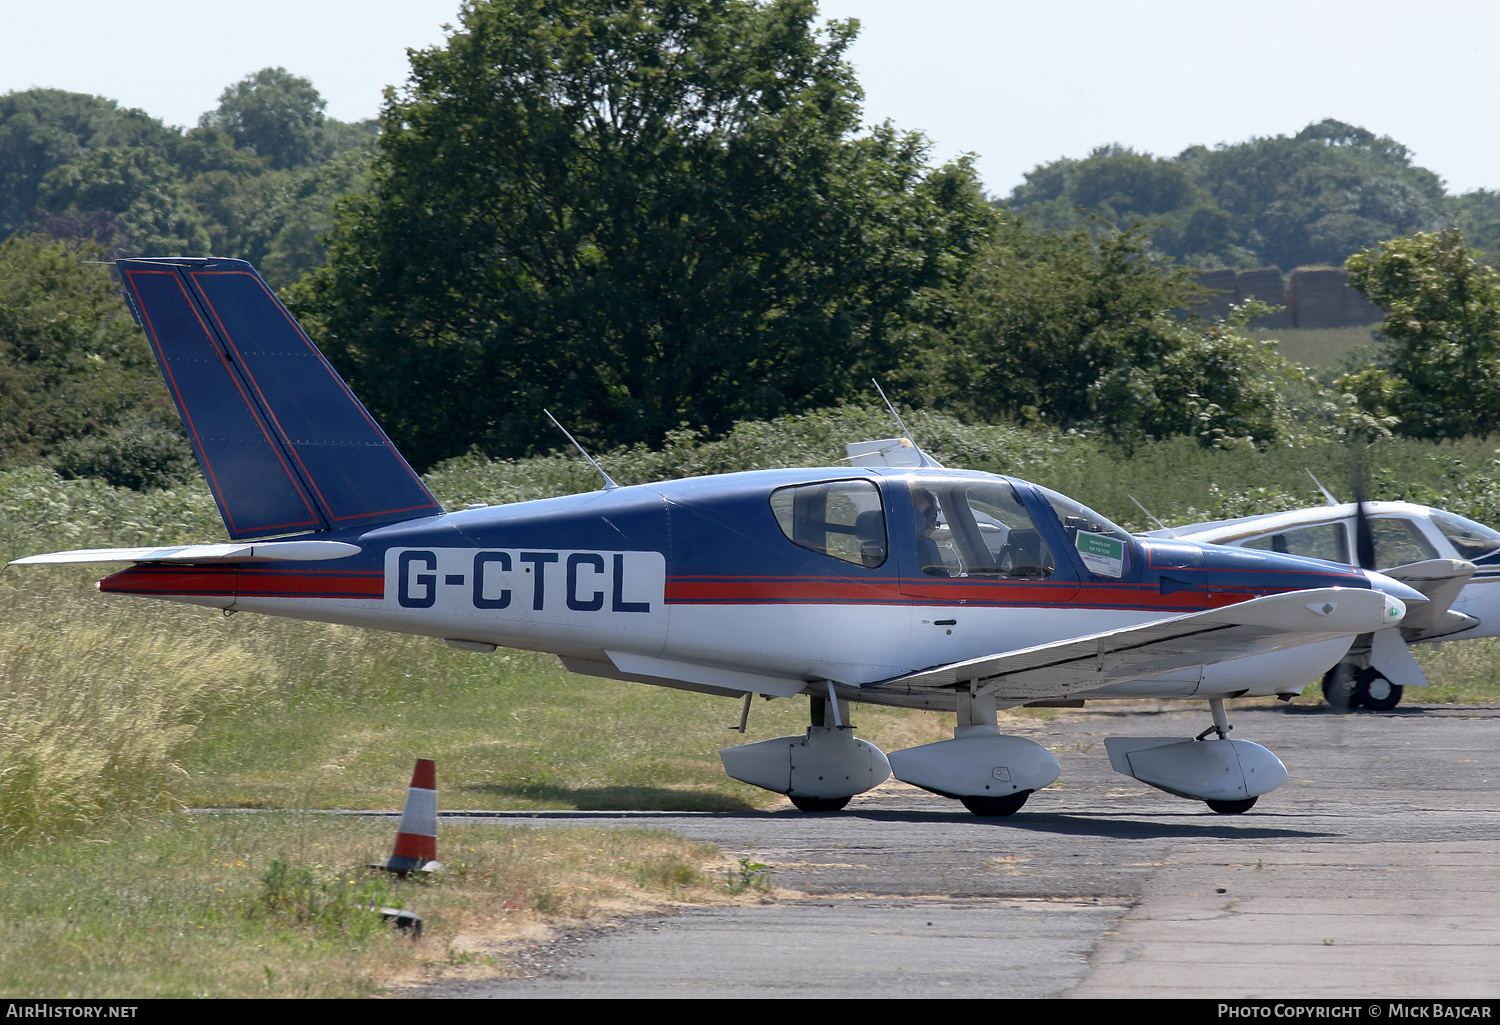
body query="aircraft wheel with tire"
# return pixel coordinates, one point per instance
(1233, 807)
(819, 803)
(996, 806)
(1341, 685)
(1375, 692)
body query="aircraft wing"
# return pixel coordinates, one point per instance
(1441, 581)
(1254, 627)
(260, 551)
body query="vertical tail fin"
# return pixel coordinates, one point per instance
(284, 443)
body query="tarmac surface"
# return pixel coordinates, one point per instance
(1374, 872)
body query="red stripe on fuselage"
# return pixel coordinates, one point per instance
(939, 591)
(238, 581)
(781, 591)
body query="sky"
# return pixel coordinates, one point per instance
(1017, 84)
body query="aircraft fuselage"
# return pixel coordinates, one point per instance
(700, 571)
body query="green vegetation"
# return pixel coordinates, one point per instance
(1439, 372)
(248, 905)
(73, 366)
(670, 221)
(1077, 332)
(1319, 348)
(256, 179)
(1313, 198)
(638, 216)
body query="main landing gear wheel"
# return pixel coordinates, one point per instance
(1375, 692)
(819, 803)
(1341, 686)
(996, 806)
(1233, 807)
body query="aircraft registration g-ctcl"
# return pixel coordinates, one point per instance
(920, 587)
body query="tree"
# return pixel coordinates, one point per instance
(1081, 331)
(41, 129)
(275, 114)
(137, 185)
(1440, 371)
(72, 362)
(1315, 197)
(1117, 186)
(1318, 196)
(636, 214)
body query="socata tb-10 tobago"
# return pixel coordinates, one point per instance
(824, 582)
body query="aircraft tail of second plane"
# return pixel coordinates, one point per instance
(283, 442)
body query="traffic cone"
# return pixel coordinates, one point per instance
(416, 836)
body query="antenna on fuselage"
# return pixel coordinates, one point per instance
(1153, 519)
(609, 484)
(1331, 499)
(926, 460)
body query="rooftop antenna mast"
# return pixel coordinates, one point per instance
(1331, 499)
(609, 484)
(926, 460)
(1170, 532)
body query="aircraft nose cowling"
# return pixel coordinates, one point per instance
(1409, 596)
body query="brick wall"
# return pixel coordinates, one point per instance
(1313, 298)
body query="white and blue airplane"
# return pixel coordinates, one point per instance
(920, 587)
(1453, 561)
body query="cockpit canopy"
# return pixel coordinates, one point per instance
(965, 526)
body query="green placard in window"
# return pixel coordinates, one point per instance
(1104, 556)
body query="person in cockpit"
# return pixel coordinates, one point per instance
(925, 505)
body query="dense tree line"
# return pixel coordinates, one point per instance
(257, 178)
(645, 215)
(1316, 197)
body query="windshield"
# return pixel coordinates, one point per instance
(1103, 546)
(1473, 541)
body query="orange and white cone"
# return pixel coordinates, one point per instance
(416, 836)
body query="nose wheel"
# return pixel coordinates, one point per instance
(1377, 693)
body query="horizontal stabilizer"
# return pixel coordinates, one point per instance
(284, 444)
(1259, 626)
(265, 551)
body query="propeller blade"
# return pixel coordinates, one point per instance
(1364, 537)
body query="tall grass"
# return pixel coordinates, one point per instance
(93, 715)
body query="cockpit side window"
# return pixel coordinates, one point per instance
(1399, 543)
(1327, 541)
(968, 529)
(842, 518)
